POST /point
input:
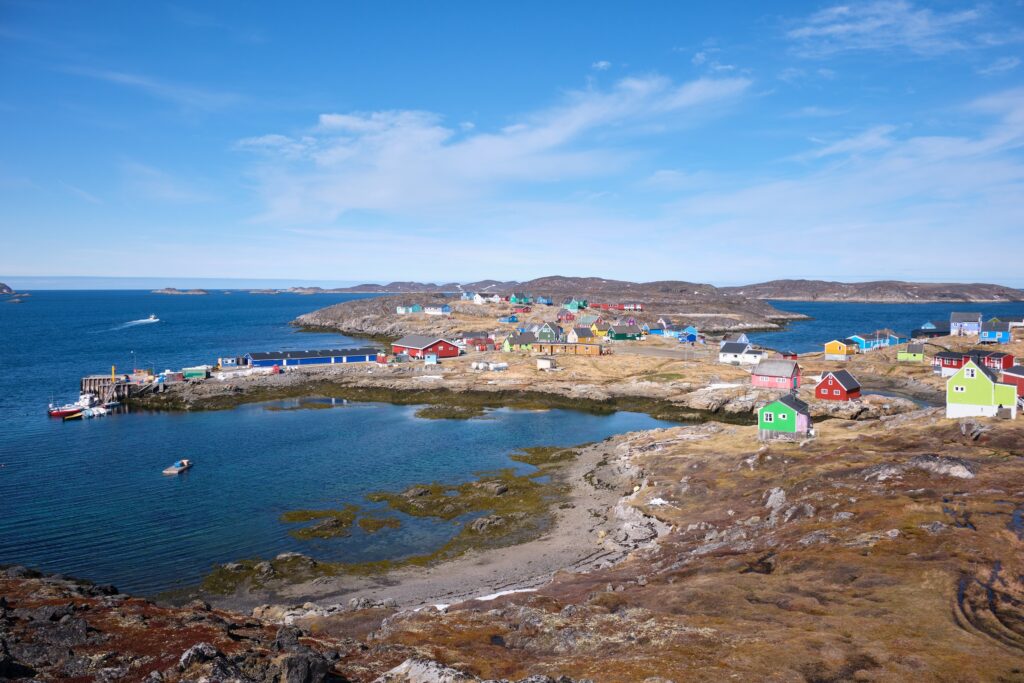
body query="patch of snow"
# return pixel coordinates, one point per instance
(495, 596)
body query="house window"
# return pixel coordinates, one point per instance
(836, 392)
(782, 416)
(959, 389)
(769, 417)
(830, 381)
(970, 373)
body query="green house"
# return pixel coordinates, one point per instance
(788, 417)
(520, 298)
(548, 332)
(913, 353)
(975, 391)
(624, 332)
(519, 342)
(574, 304)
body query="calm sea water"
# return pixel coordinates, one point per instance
(87, 497)
(838, 320)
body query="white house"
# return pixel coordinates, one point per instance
(736, 353)
(479, 299)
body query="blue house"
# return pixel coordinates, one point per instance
(655, 328)
(467, 296)
(545, 301)
(961, 324)
(509, 319)
(268, 359)
(994, 332)
(673, 331)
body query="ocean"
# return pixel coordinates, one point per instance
(839, 320)
(87, 498)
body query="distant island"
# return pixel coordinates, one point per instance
(881, 291)
(4, 289)
(180, 292)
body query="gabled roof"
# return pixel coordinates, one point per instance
(989, 372)
(791, 401)
(734, 347)
(845, 379)
(948, 354)
(602, 325)
(656, 326)
(322, 353)
(1016, 371)
(995, 327)
(625, 329)
(583, 331)
(524, 338)
(850, 341)
(959, 317)
(915, 348)
(776, 368)
(418, 341)
(846, 342)
(941, 324)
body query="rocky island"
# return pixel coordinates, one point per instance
(885, 291)
(174, 291)
(4, 289)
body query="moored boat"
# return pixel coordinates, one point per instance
(178, 467)
(84, 402)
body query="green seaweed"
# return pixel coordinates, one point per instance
(372, 525)
(450, 412)
(331, 524)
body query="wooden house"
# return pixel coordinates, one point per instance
(419, 345)
(520, 298)
(841, 350)
(548, 332)
(467, 296)
(837, 385)
(521, 309)
(600, 328)
(665, 321)
(544, 301)
(565, 316)
(976, 391)
(443, 309)
(913, 353)
(479, 299)
(624, 332)
(783, 375)
(947, 363)
(574, 304)
(1014, 375)
(587, 319)
(739, 338)
(786, 418)
(578, 335)
(965, 324)
(994, 360)
(736, 353)
(509, 319)
(995, 333)
(788, 354)
(565, 348)
(268, 359)
(656, 329)
(519, 342)
(673, 331)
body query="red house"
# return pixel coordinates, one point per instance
(776, 374)
(837, 385)
(419, 345)
(995, 360)
(1014, 375)
(521, 309)
(947, 362)
(789, 355)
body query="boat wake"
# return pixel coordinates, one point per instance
(142, 321)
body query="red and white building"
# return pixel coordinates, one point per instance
(420, 346)
(1014, 375)
(837, 385)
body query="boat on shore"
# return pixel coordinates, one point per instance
(178, 467)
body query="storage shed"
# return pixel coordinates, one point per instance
(419, 345)
(267, 359)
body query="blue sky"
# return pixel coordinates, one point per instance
(454, 141)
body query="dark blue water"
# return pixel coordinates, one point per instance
(840, 320)
(87, 497)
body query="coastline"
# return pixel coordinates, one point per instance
(593, 526)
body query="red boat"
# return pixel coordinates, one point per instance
(64, 411)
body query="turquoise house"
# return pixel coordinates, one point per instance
(994, 332)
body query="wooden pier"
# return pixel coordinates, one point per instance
(106, 388)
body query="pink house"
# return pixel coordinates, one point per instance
(783, 375)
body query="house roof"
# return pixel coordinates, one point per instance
(583, 331)
(915, 348)
(602, 325)
(791, 401)
(473, 335)
(734, 347)
(995, 327)
(850, 341)
(948, 354)
(845, 379)
(656, 326)
(1016, 371)
(959, 317)
(524, 338)
(989, 372)
(418, 341)
(776, 368)
(941, 324)
(323, 353)
(625, 329)
(733, 337)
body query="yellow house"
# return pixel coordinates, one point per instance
(600, 328)
(840, 350)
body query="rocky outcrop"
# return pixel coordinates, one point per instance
(883, 291)
(180, 292)
(4, 289)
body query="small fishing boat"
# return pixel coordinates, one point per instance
(72, 409)
(74, 416)
(178, 467)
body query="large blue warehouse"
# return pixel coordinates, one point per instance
(266, 359)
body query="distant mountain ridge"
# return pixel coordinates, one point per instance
(880, 291)
(4, 289)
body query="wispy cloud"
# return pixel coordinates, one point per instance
(884, 25)
(81, 194)
(187, 16)
(871, 140)
(602, 65)
(152, 183)
(187, 97)
(406, 161)
(1000, 66)
(815, 112)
